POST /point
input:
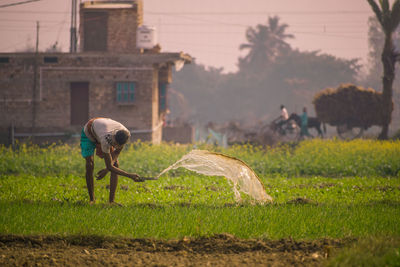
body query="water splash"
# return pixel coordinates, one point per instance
(215, 164)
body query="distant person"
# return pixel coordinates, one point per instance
(108, 138)
(284, 113)
(282, 119)
(304, 124)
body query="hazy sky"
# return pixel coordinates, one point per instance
(209, 30)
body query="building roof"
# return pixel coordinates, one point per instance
(119, 58)
(108, 4)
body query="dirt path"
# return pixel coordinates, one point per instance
(219, 250)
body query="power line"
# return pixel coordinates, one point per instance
(322, 33)
(207, 24)
(185, 16)
(34, 12)
(313, 23)
(330, 35)
(152, 13)
(26, 20)
(46, 25)
(18, 3)
(62, 24)
(259, 13)
(213, 21)
(194, 46)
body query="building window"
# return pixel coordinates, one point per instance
(162, 96)
(4, 60)
(125, 92)
(50, 60)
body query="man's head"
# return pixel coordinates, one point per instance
(121, 137)
(282, 106)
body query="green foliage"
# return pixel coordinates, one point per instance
(299, 221)
(43, 191)
(189, 188)
(331, 158)
(265, 44)
(371, 251)
(35, 160)
(272, 73)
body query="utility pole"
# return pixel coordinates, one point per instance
(37, 37)
(73, 40)
(35, 67)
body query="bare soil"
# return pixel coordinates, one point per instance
(219, 250)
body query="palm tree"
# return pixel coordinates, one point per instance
(265, 42)
(278, 36)
(389, 20)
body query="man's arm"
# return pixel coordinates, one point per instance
(112, 168)
(114, 155)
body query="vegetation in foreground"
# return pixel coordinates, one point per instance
(370, 251)
(328, 158)
(321, 188)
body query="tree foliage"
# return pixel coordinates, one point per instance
(265, 44)
(272, 73)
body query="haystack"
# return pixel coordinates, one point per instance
(349, 104)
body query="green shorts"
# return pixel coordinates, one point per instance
(87, 145)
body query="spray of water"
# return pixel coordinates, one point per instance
(214, 164)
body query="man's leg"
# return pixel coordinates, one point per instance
(113, 183)
(89, 177)
(302, 132)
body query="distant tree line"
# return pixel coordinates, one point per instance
(272, 73)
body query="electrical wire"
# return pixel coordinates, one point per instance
(18, 3)
(252, 13)
(199, 21)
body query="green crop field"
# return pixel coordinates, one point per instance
(321, 189)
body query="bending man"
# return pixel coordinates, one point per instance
(107, 137)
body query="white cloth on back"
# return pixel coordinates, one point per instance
(103, 129)
(284, 114)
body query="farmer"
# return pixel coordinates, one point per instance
(304, 123)
(284, 113)
(107, 137)
(283, 117)
(281, 120)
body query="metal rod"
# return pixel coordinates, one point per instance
(12, 133)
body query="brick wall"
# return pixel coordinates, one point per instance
(183, 134)
(51, 110)
(120, 29)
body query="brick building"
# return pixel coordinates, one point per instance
(52, 95)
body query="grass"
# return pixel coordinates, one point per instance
(321, 189)
(328, 158)
(200, 190)
(176, 221)
(371, 251)
(195, 205)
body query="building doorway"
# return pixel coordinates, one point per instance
(79, 103)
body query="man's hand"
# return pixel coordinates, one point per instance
(136, 177)
(101, 174)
